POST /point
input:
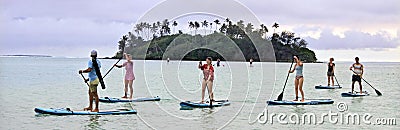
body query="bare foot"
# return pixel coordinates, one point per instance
(130, 97)
(295, 100)
(302, 100)
(87, 109)
(124, 97)
(361, 92)
(201, 102)
(96, 110)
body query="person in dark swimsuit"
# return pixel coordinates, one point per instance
(331, 72)
(357, 74)
(218, 62)
(251, 62)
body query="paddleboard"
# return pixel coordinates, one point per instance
(115, 100)
(356, 94)
(328, 87)
(217, 103)
(67, 111)
(306, 102)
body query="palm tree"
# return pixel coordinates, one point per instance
(165, 27)
(191, 25)
(204, 24)
(263, 30)
(275, 25)
(249, 28)
(174, 24)
(211, 27)
(154, 29)
(216, 23)
(196, 26)
(223, 28)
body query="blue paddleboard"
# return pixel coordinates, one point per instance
(328, 87)
(114, 99)
(356, 94)
(67, 111)
(306, 102)
(217, 103)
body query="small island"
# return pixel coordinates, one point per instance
(21, 55)
(152, 41)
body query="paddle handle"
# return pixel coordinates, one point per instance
(84, 80)
(336, 80)
(287, 77)
(111, 68)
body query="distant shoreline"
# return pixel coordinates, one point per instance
(27, 55)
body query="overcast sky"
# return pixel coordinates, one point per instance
(342, 29)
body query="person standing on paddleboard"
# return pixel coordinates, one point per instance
(208, 72)
(129, 75)
(331, 72)
(93, 82)
(298, 81)
(251, 62)
(218, 62)
(357, 74)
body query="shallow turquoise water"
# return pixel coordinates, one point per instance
(26, 83)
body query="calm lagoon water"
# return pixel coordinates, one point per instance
(29, 82)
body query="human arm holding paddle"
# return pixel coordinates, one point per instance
(292, 70)
(128, 59)
(85, 71)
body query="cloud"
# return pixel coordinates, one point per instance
(353, 40)
(74, 26)
(59, 37)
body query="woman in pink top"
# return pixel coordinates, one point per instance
(129, 76)
(208, 71)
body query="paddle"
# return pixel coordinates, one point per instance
(122, 51)
(209, 95)
(337, 81)
(281, 95)
(376, 91)
(84, 79)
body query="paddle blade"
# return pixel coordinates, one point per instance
(280, 97)
(377, 92)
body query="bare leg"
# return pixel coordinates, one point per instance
(209, 87)
(352, 86)
(90, 102)
(360, 87)
(203, 89)
(296, 84)
(301, 88)
(126, 89)
(96, 96)
(333, 81)
(329, 80)
(131, 88)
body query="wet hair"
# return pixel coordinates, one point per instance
(332, 59)
(209, 58)
(357, 58)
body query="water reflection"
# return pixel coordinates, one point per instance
(207, 119)
(93, 123)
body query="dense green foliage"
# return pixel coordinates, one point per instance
(226, 41)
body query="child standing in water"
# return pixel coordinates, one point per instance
(129, 75)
